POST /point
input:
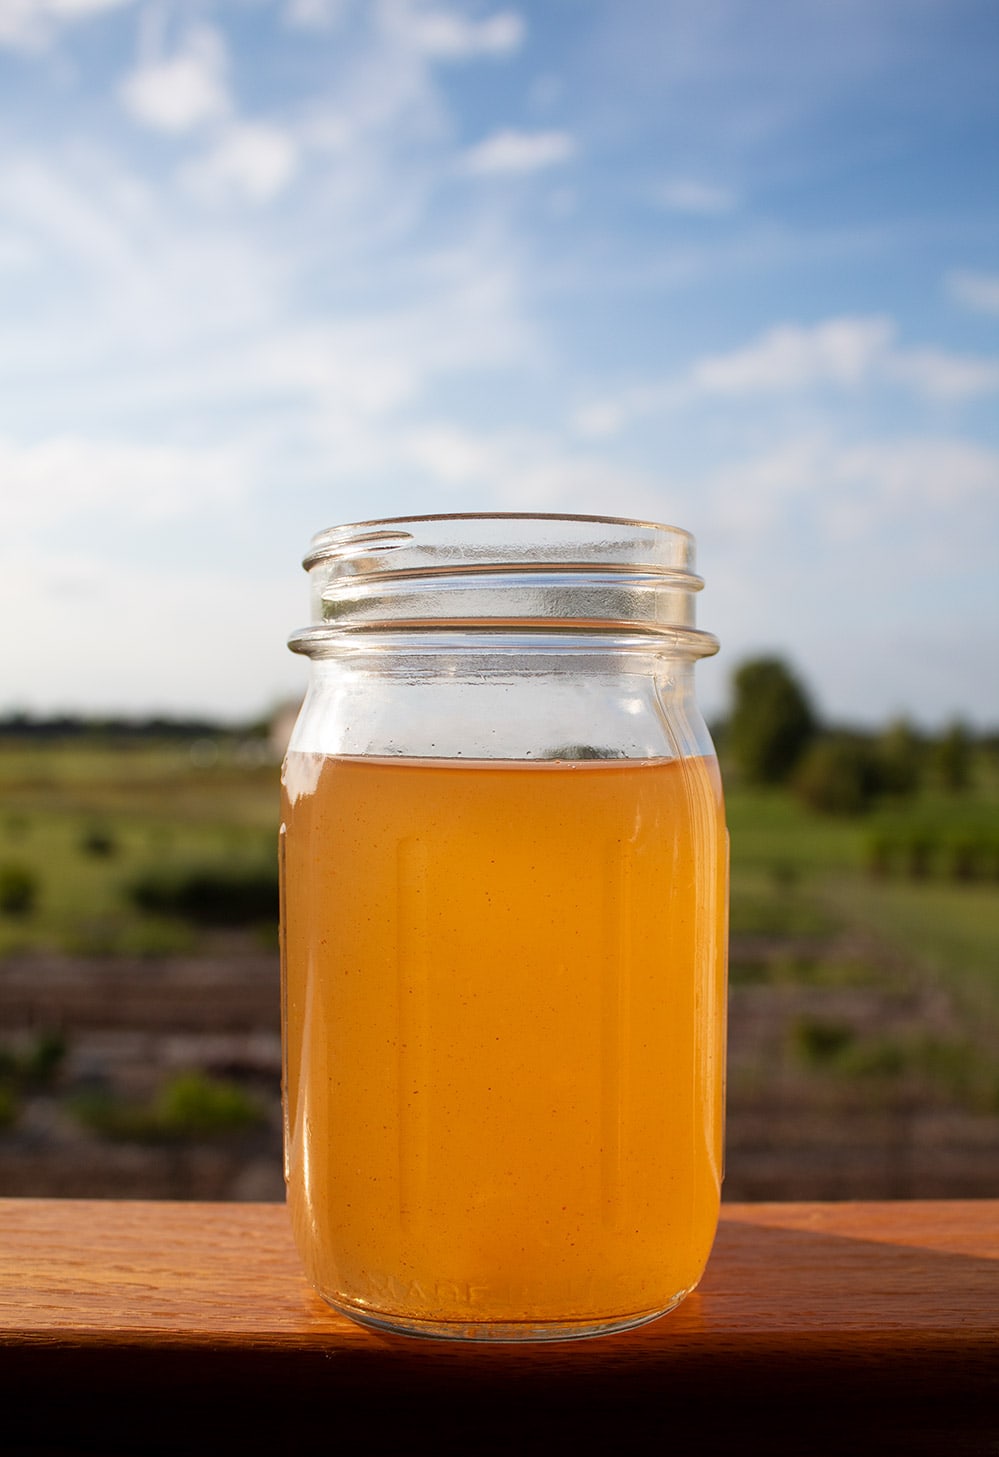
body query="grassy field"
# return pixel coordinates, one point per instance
(865, 981)
(85, 821)
(795, 873)
(887, 973)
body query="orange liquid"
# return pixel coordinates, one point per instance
(504, 1014)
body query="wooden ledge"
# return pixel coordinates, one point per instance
(121, 1324)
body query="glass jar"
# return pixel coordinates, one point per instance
(504, 906)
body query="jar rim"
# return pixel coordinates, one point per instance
(504, 571)
(331, 540)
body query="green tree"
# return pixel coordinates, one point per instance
(952, 758)
(840, 776)
(772, 721)
(901, 752)
(18, 889)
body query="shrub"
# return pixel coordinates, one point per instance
(965, 852)
(9, 1108)
(902, 753)
(839, 776)
(33, 1064)
(191, 1105)
(880, 852)
(195, 1104)
(816, 1040)
(98, 841)
(785, 875)
(875, 1057)
(18, 889)
(209, 895)
(101, 1110)
(40, 1064)
(967, 857)
(920, 850)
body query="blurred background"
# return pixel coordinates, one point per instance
(271, 265)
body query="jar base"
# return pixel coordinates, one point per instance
(500, 1332)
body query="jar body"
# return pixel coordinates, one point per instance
(504, 881)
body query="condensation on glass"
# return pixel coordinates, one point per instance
(504, 902)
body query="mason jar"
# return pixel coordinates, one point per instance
(504, 907)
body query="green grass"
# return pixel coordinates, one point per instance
(763, 904)
(770, 831)
(807, 880)
(86, 821)
(797, 874)
(145, 781)
(946, 931)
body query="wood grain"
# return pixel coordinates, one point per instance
(853, 1319)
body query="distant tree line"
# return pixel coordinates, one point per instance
(40, 727)
(773, 736)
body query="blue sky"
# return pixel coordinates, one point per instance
(271, 265)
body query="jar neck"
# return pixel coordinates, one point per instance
(474, 703)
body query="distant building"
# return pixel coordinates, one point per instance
(281, 725)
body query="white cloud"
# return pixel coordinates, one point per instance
(944, 376)
(60, 211)
(514, 152)
(747, 499)
(251, 160)
(384, 103)
(551, 478)
(787, 359)
(919, 475)
(78, 9)
(315, 14)
(146, 636)
(977, 291)
(791, 357)
(842, 354)
(69, 477)
(126, 281)
(181, 93)
(523, 470)
(15, 252)
(869, 494)
(23, 25)
(838, 550)
(34, 24)
(601, 419)
(337, 369)
(686, 195)
(157, 315)
(452, 455)
(448, 35)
